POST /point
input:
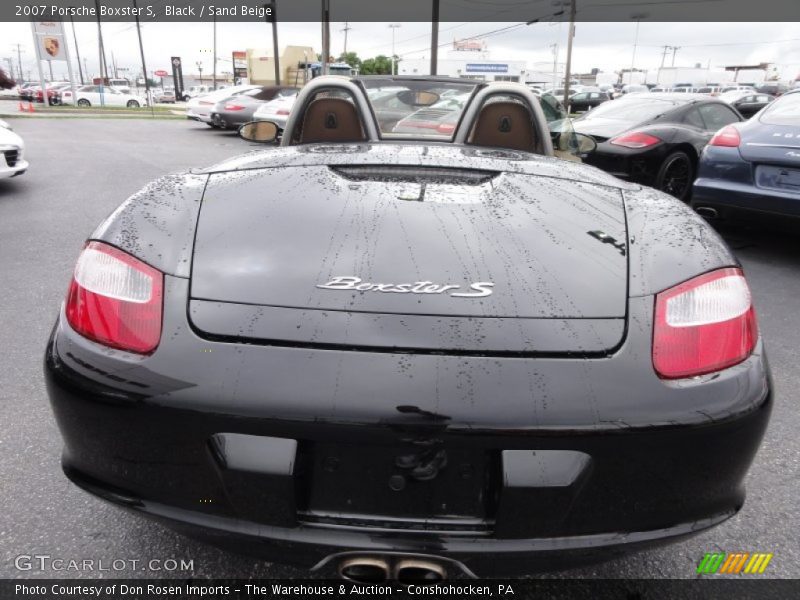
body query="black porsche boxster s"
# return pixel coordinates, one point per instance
(454, 354)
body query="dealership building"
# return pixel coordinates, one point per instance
(470, 59)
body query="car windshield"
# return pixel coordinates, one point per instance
(783, 111)
(634, 108)
(417, 107)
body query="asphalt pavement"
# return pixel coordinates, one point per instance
(81, 170)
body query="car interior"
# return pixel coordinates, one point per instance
(331, 112)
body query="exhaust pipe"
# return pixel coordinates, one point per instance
(707, 212)
(366, 570)
(416, 572)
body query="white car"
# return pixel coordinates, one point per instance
(196, 91)
(12, 149)
(199, 109)
(98, 95)
(277, 110)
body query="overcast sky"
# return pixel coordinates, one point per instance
(607, 46)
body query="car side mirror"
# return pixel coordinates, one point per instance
(585, 143)
(262, 132)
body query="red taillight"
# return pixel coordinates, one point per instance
(282, 111)
(635, 139)
(116, 299)
(705, 324)
(234, 107)
(728, 136)
(446, 128)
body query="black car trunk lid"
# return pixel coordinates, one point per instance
(425, 259)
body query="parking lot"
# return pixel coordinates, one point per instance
(80, 171)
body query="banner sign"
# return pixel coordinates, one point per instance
(486, 68)
(49, 40)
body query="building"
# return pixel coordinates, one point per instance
(261, 65)
(469, 59)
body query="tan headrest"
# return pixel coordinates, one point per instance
(331, 120)
(504, 125)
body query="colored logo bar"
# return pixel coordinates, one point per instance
(734, 563)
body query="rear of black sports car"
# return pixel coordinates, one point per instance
(474, 364)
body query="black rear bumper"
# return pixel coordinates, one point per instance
(640, 489)
(293, 453)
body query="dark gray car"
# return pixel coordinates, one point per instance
(236, 110)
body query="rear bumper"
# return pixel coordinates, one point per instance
(730, 195)
(587, 457)
(631, 165)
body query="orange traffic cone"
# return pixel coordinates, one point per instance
(21, 108)
(30, 107)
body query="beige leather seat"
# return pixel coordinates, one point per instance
(331, 120)
(504, 125)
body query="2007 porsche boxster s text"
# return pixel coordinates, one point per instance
(456, 353)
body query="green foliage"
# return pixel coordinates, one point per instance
(351, 58)
(380, 65)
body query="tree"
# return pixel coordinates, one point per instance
(380, 65)
(351, 58)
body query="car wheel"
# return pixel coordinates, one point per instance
(84, 102)
(133, 104)
(676, 175)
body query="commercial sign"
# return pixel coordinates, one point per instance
(49, 40)
(160, 73)
(177, 75)
(239, 65)
(486, 68)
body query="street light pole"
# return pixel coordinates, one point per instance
(200, 70)
(555, 65)
(19, 61)
(214, 59)
(393, 26)
(638, 17)
(77, 50)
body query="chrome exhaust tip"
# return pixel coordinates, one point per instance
(707, 212)
(419, 572)
(366, 570)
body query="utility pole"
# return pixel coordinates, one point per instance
(214, 60)
(144, 66)
(393, 26)
(555, 65)
(664, 56)
(346, 29)
(275, 42)
(568, 68)
(674, 52)
(326, 35)
(200, 70)
(77, 51)
(434, 37)
(114, 64)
